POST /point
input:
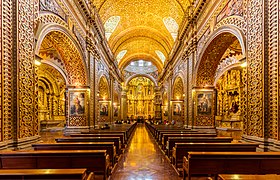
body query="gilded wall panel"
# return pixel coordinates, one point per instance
(26, 70)
(190, 82)
(92, 89)
(36, 108)
(278, 80)
(36, 8)
(1, 73)
(7, 57)
(272, 50)
(255, 68)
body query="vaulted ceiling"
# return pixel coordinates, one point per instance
(141, 29)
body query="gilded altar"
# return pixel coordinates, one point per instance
(140, 98)
(229, 90)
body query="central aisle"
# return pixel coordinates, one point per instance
(143, 160)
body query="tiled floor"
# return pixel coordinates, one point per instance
(143, 160)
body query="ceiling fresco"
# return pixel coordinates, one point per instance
(141, 27)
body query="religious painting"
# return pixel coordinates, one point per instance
(177, 109)
(104, 108)
(204, 102)
(77, 103)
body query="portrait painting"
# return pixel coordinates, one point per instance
(104, 109)
(204, 102)
(77, 103)
(177, 109)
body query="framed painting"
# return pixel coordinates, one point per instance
(177, 109)
(204, 102)
(104, 108)
(77, 103)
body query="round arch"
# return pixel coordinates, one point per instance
(68, 46)
(217, 44)
(140, 75)
(178, 87)
(58, 69)
(103, 87)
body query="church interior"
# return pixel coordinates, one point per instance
(140, 89)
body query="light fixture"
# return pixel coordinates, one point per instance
(37, 60)
(244, 64)
(184, 95)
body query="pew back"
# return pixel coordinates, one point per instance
(204, 163)
(96, 161)
(44, 174)
(108, 146)
(116, 140)
(172, 140)
(182, 149)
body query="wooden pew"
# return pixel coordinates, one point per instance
(154, 129)
(166, 136)
(172, 140)
(248, 177)
(120, 135)
(108, 146)
(214, 163)
(170, 129)
(182, 149)
(124, 133)
(45, 174)
(96, 161)
(127, 129)
(116, 140)
(161, 133)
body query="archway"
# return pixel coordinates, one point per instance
(140, 98)
(177, 103)
(104, 101)
(51, 98)
(219, 76)
(57, 47)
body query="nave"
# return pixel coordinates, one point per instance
(144, 160)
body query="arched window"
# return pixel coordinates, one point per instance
(110, 25)
(121, 55)
(172, 26)
(161, 56)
